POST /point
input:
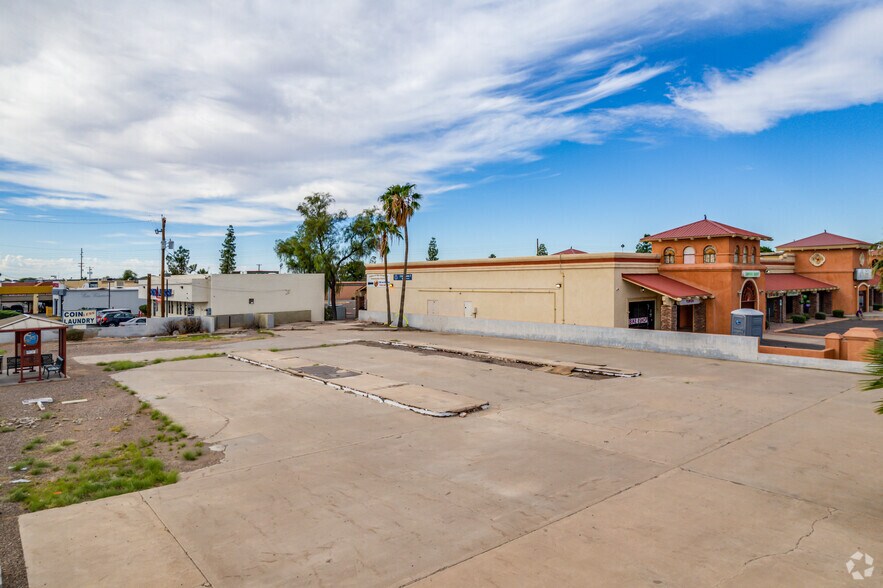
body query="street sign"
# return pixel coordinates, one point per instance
(750, 273)
(863, 273)
(398, 277)
(376, 280)
(78, 317)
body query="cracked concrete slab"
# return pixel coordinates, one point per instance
(562, 481)
(114, 542)
(367, 382)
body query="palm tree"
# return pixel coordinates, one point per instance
(400, 202)
(385, 231)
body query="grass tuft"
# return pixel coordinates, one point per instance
(32, 444)
(122, 365)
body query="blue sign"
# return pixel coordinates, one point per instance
(399, 277)
(156, 292)
(32, 338)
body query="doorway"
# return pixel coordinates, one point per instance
(749, 295)
(685, 318)
(642, 314)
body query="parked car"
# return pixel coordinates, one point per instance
(113, 319)
(105, 311)
(138, 320)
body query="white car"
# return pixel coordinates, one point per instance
(139, 320)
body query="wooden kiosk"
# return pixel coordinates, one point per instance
(28, 351)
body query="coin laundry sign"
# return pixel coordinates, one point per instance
(78, 317)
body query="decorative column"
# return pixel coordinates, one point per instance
(699, 317)
(668, 319)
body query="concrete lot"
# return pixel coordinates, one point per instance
(696, 473)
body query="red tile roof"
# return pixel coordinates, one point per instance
(792, 282)
(822, 240)
(665, 286)
(570, 251)
(705, 228)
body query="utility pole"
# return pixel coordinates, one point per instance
(90, 272)
(538, 246)
(162, 265)
(81, 263)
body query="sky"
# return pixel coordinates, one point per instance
(579, 123)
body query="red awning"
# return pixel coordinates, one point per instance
(666, 286)
(794, 283)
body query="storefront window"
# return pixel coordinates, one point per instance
(689, 255)
(668, 256)
(709, 255)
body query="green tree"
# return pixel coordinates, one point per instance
(353, 271)
(432, 252)
(875, 368)
(228, 252)
(326, 241)
(541, 249)
(202, 271)
(644, 246)
(178, 262)
(129, 275)
(384, 232)
(765, 249)
(400, 202)
(492, 256)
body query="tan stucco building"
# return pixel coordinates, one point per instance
(301, 295)
(695, 277)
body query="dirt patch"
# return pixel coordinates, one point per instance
(72, 434)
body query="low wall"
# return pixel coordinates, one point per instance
(293, 316)
(794, 352)
(155, 326)
(695, 344)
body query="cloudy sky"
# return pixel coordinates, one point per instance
(584, 123)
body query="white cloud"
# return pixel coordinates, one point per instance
(841, 66)
(232, 114)
(20, 266)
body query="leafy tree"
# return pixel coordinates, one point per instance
(384, 232)
(326, 241)
(202, 270)
(353, 271)
(492, 256)
(766, 249)
(644, 246)
(400, 202)
(875, 368)
(178, 262)
(432, 252)
(129, 275)
(541, 249)
(228, 252)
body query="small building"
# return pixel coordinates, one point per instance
(68, 299)
(290, 297)
(350, 295)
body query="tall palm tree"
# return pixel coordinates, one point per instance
(385, 231)
(400, 202)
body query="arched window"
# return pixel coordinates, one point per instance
(689, 255)
(753, 254)
(745, 254)
(709, 255)
(736, 255)
(668, 256)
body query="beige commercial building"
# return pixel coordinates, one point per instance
(291, 297)
(577, 289)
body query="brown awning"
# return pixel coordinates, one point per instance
(666, 286)
(795, 283)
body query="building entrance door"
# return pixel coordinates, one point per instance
(685, 318)
(749, 295)
(861, 300)
(641, 314)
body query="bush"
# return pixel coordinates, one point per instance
(329, 313)
(8, 313)
(143, 309)
(75, 335)
(190, 325)
(877, 306)
(798, 318)
(838, 313)
(821, 316)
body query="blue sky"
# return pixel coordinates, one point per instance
(562, 122)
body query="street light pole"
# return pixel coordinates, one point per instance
(162, 265)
